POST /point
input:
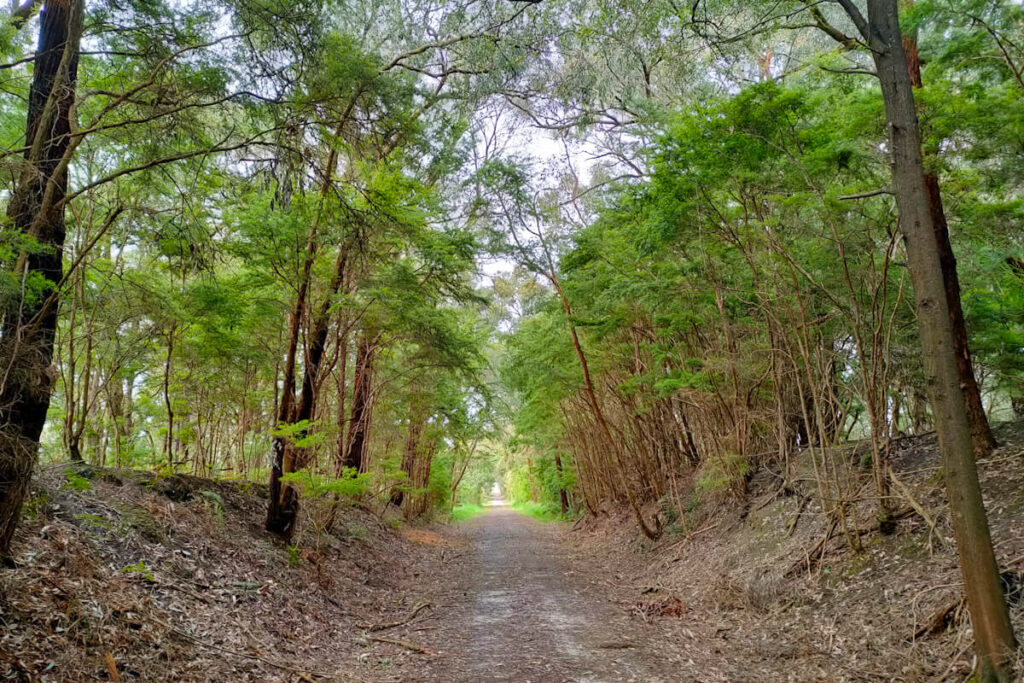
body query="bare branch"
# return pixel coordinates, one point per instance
(865, 195)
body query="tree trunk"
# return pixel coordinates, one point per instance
(981, 433)
(169, 439)
(36, 210)
(283, 504)
(342, 378)
(359, 420)
(412, 443)
(283, 507)
(993, 631)
(561, 486)
(416, 503)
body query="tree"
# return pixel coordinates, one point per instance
(35, 266)
(880, 31)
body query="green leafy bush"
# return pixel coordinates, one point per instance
(140, 569)
(76, 482)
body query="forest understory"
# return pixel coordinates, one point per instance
(125, 575)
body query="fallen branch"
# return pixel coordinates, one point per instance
(921, 511)
(401, 622)
(401, 643)
(701, 531)
(791, 525)
(812, 558)
(942, 618)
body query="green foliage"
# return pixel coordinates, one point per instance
(76, 482)
(349, 486)
(140, 569)
(213, 502)
(725, 472)
(300, 434)
(532, 482)
(544, 512)
(464, 511)
(92, 521)
(35, 506)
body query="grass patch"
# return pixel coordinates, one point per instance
(461, 513)
(540, 511)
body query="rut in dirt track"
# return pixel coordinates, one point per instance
(523, 614)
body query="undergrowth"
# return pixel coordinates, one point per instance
(461, 513)
(543, 512)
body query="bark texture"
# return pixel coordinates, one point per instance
(36, 210)
(981, 432)
(359, 420)
(990, 617)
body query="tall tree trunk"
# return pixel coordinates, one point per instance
(359, 420)
(36, 210)
(416, 421)
(993, 632)
(416, 503)
(69, 369)
(342, 379)
(981, 432)
(283, 506)
(169, 439)
(283, 502)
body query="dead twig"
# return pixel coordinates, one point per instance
(918, 508)
(814, 555)
(401, 643)
(701, 531)
(112, 667)
(419, 607)
(791, 526)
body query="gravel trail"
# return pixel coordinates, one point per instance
(519, 612)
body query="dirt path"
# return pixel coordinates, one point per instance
(519, 612)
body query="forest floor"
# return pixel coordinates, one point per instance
(740, 590)
(126, 576)
(762, 591)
